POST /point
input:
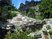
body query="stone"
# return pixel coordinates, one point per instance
(25, 22)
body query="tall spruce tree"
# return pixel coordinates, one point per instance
(5, 6)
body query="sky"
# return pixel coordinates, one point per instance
(17, 2)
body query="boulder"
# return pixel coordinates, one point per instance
(25, 22)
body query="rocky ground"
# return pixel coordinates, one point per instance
(25, 23)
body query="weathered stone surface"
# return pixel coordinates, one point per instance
(26, 22)
(48, 24)
(22, 22)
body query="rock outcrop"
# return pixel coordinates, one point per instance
(25, 22)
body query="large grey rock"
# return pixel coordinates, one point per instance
(25, 22)
(48, 24)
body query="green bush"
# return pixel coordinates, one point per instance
(50, 32)
(11, 15)
(39, 17)
(18, 35)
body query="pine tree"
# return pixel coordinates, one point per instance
(46, 8)
(5, 6)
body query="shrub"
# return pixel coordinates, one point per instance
(11, 15)
(18, 35)
(50, 32)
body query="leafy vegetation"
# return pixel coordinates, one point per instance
(18, 35)
(46, 8)
(6, 8)
(50, 32)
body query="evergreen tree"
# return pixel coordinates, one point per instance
(27, 2)
(5, 7)
(46, 8)
(21, 6)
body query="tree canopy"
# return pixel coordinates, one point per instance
(46, 8)
(5, 8)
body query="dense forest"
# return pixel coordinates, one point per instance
(45, 7)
